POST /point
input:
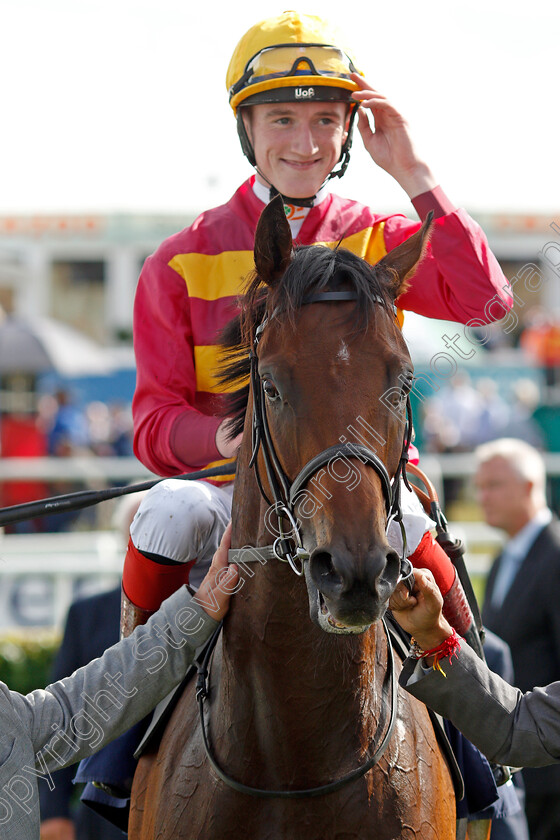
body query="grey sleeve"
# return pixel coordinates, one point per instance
(78, 715)
(522, 730)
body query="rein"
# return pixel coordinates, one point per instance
(388, 692)
(87, 498)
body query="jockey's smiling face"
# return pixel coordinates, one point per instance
(296, 145)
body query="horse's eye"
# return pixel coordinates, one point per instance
(399, 395)
(407, 381)
(270, 389)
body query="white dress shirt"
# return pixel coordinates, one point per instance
(514, 552)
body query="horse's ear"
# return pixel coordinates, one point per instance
(402, 260)
(273, 242)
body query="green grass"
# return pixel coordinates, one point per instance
(26, 658)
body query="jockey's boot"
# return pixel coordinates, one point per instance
(430, 555)
(147, 580)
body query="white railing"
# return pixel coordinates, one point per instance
(41, 573)
(83, 468)
(94, 468)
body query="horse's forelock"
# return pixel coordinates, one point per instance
(236, 340)
(316, 268)
(313, 269)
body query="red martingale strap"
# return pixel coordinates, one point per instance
(430, 555)
(456, 609)
(147, 583)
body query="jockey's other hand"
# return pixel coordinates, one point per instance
(227, 447)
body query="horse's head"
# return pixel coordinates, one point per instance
(330, 380)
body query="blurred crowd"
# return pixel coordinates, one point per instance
(458, 415)
(540, 341)
(60, 427)
(465, 413)
(475, 407)
(98, 429)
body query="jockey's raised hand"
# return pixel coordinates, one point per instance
(388, 140)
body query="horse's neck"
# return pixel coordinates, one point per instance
(294, 683)
(307, 700)
(269, 629)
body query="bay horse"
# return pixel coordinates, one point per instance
(304, 738)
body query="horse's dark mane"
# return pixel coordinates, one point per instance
(314, 268)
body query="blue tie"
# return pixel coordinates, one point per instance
(510, 562)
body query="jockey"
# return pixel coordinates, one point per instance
(296, 94)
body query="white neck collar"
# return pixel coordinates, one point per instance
(263, 193)
(295, 215)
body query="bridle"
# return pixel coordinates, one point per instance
(288, 547)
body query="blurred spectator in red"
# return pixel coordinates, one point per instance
(540, 340)
(21, 436)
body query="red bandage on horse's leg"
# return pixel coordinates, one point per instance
(430, 555)
(147, 583)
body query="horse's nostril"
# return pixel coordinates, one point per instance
(324, 568)
(339, 573)
(393, 562)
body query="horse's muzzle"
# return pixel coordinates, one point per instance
(352, 589)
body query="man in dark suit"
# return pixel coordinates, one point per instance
(92, 626)
(522, 596)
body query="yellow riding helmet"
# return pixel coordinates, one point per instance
(291, 57)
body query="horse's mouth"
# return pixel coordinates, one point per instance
(330, 624)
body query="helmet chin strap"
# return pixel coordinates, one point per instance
(344, 160)
(287, 199)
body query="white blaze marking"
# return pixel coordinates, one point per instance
(343, 354)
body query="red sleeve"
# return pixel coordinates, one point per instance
(170, 435)
(435, 200)
(459, 278)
